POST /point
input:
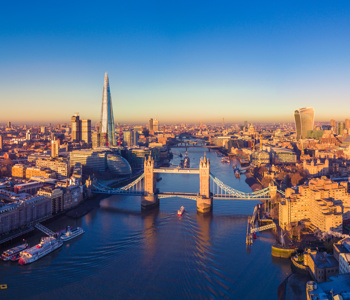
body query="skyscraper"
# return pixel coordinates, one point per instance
(86, 131)
(76, 128)
(107, 130)
(150, 127)
(304, 121)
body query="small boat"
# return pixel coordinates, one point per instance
(180, 155)
(186, 163)
(237, 172)
(254, 236)
(159, 179)
(181, 211)
(13, 252)
(225, 160)
(46, 246)
(71, 233)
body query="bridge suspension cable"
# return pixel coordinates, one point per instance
(231, 191)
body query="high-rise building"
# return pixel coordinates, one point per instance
(1, 142)
(155, 125)
(347, 124)
(55, 146)
(340, 128)
(76, 128)
(150, 124)
(95, 140)
(43, 129)
(304, 121)
(333, 123)
(28, 135)
(107, 129)
(86, 131)
(9, 125)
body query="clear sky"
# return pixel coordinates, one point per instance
(174, 60)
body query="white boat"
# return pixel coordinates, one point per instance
(71, 233)
(181, 211)
(46, 246)
(13, 252)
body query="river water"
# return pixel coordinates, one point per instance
(129, 254)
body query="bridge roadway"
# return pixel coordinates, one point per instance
(177, 170)
(215, 196)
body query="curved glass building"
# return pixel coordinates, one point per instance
(304, 121)
(118, 165)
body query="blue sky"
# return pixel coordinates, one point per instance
(174, 60)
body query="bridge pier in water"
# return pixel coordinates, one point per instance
(205, 198)
(150, 198)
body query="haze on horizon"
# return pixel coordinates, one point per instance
(174, 61)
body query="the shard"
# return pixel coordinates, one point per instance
(107, 130)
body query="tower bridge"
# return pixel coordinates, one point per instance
(210, 187)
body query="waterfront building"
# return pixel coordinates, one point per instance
(341, 251)
(324, 202)
(321, 265)
(336, 288)
(21, 213)
(29, 187)
(107, 128)
(100, 160)
(304, 121)
(56, 197)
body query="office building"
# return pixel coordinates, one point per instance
(340, 128)
(86, 131)
(9, 125)
(76, 128)
(1, 142)
(100, 160)
(324, 202)
(347, 124)
(150, 126)
(304, 121)
(155, 125)
(28, 135)
(55, 146)
(107, 129)
(81, 129)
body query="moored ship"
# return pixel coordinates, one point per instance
(12, 254)
(71, 233)
(46, 246)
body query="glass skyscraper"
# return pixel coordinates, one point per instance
(304, 121)
(107, 130)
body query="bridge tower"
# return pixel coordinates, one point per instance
(150, 198)
(204, 199)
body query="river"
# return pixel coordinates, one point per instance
(129, 254)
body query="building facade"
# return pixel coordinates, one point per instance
(304, 121)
